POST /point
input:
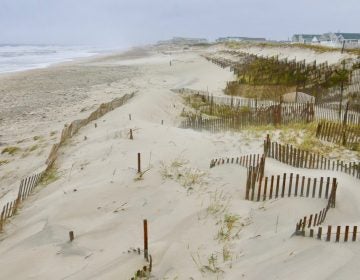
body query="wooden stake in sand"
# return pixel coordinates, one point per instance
(71, 236)
(146, 252)
(139, 163)
(131, 134)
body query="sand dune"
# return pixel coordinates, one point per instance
(100, 196)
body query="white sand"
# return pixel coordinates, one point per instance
(108, 206)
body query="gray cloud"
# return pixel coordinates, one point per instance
(125, 22)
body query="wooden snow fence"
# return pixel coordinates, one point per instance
(254, 162)
(28, 184)
(317, 219)
(345, 135)
(337, 113)
(344, 233)
(272, 115)
(304, 159)
(267, 188)
(287, 185)
(70, 130)
(290, 112)
(232, 101)
(245, 161)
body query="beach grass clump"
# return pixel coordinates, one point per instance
(226, 253)
(171, 171)
(355, 147)
(219, 203)
(228, 224)
(212, 265)
(4, 161)
(33, 148)
(142, 274)
(11, 150)
(50, 176)
(195, 101)
(192, 176)
(312, 144)
(179, 171)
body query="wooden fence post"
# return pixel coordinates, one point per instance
(354, 233)
(248, 183)
(346, 113)
(346, 233)
(271, 187)
(333, 193)
(265, 188)
(146, 252)
(290, 184)
(139, 162)
(328, 235)
(2, 219)
(277, 186)
(283, 185)
(131, 134)
(319, 233)
(259, 189)
(338, 229)
(71, 236)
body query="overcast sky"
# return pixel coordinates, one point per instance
(129, 22)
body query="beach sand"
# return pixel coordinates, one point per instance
(100, 196)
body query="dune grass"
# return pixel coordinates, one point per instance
(11, 150)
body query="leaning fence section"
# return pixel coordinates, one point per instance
(305, 159)
(345, 135)
(245, 161)
(27, 186)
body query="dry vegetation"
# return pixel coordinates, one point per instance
(11, 150)
(269, 78)
(50, 176)
(300, 135)
(316, 48)
(179, 171)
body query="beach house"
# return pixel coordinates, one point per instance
(340, 38)
(305, 38)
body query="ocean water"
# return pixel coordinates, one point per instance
(15, 58)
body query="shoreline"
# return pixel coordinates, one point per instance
(68, 61)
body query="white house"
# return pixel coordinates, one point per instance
(306, 38)
(340, 38)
